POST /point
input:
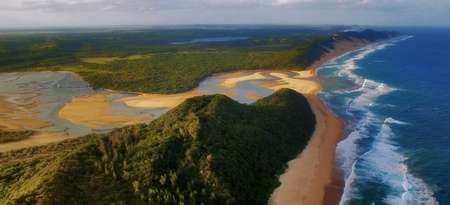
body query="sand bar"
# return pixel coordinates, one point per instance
(296, 83)
(233, 81)
(298, 80)
(14, 116)
(94, 111)
(154, 101)
(305, 73)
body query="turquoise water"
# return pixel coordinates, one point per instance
(395, 99)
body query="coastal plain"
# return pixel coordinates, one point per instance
(311, 168)
(102, 94)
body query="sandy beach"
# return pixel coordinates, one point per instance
(308, 175)
(313, 178)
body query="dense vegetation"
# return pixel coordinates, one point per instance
(169, 60)
(208, 150)
(13, 136)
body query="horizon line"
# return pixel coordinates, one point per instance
(106, 26)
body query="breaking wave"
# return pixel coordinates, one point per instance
(369, 156)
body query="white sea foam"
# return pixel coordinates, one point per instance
(347, 149)
(346, 69)
(387, 159)
(381, 162)
(349, 190)
(394, 121)
(371, 91)
(387, 166)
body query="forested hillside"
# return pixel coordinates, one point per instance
(208, 150)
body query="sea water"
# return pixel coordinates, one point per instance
(394, 97)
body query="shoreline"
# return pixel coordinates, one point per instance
(308, 176)
(313, 176)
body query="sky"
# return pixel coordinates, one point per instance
(44, 13)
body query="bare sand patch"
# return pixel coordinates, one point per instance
(19, 117)
(94, 111)
(295, 83)
(304, 74)
(231, 81)
(156, 101)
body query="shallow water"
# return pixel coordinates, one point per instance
(42, 95)
(240, 92)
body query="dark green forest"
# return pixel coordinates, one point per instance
(208, 150)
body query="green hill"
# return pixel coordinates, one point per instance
(208, 150)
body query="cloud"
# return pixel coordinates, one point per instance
(137, 5)
(51, 12)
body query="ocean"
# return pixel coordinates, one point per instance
(394, 97)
